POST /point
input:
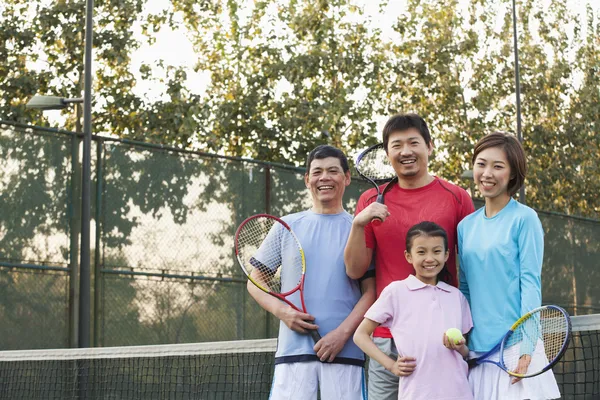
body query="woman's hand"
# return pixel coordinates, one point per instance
(522, 367)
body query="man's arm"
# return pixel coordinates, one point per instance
(357, 256)
(295, 320)
(331, 344)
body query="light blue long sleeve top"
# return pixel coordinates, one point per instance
(500, 269)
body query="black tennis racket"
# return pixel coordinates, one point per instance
(271, 256)
(542, 334)
(373, 165)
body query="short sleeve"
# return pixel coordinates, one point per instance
(466, 206)
(382, 311)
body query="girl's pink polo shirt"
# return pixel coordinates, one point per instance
(418, 315)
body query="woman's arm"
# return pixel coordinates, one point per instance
(531, 254)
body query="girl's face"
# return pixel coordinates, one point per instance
(428, 256)
(491, 173)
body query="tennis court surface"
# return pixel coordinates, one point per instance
(222, 370)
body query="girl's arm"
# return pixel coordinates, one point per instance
(362, 338)
(403, 366)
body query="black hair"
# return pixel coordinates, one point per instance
(323, 151)
(403, 122)
(430, 229)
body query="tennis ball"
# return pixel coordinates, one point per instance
(454, 334)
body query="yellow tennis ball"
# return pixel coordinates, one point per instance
(455, 335)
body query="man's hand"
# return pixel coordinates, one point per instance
(522, 367)
(296, 320)
(330, 345)
(373, 210)
(403, 366)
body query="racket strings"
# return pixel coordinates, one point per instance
(375, 165)
(547, 328)
(269, 253)
(555, 328)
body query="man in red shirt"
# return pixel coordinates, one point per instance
(416, 196)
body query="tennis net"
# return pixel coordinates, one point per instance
(222, 370)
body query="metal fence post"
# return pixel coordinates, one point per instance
(97, 256)
(74, 229)
(268, 211)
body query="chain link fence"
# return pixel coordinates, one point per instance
(163, 224)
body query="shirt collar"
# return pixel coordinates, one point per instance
(415, 284)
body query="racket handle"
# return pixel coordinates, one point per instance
(315, 335)
(378, 221)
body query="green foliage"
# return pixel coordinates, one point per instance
(27, 320)
(275, 93)
(287, 76)
(283, 77)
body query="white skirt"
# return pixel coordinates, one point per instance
(489, 382)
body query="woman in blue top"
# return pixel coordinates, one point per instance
(501, 247)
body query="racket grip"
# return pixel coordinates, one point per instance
(315, 335)
(378, 221)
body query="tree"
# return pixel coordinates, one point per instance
(284, 76)
(456, 68)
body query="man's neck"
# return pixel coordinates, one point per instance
(415, 182)
(327, 208)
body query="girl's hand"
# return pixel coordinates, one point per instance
(459, 346)
(404, 366)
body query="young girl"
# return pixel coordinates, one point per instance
(418, 310)
(501, 247)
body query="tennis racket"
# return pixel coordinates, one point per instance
(272, 258)
(373, 165)
(543, 334)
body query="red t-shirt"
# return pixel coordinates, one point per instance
(439, 201)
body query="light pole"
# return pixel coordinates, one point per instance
(517, 89)
(50, 102)
(84, 268)
(467, 175)
(58, 103)
(44, 103)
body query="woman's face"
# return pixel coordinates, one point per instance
(492, 173)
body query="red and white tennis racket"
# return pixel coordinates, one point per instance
(272, 258)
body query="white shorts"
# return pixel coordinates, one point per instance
(491, 383)
(301, 380)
